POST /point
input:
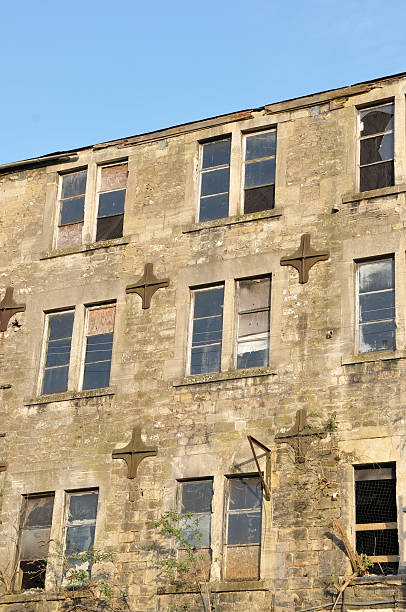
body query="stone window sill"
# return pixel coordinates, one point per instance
(397, 579)
(368, 357)
(84, 248)
(263, 214)
(374, 193)
(31, 596)
(200, 379)
(69, 395)
(217, 587)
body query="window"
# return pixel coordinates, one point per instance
(58, 347)
(253, 322)
(243, 528)
(195, 498)
(376, 306)
(80, 525)
(259, 171)
(35, 530)
(99, 346)
(71, 208)
(376, 516)
(111, 198)
(214, 179)
(207, 330)
(376, 147)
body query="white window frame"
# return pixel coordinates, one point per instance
(59, 201)
(88, 308)
(44, 347)
(246, 135)
(211, 169)
(100, 167)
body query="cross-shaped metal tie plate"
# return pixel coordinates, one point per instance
(147, 285)
(300, 436)
(8, 308)
(134, 452)
(304, 258)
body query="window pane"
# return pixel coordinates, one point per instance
(244, 528)
(378, 148)
(99, 348)
(215, 181)
(72, 211)
(209, 302)
(376, 275)
(74, 184)
(376, 306)
(253, 293)
(55, 380)
(260, 145)
(377, 337)
(252, 355)
(260, 173)
(111, 203)
(34, 543)
(58, 352)
(38, 511)
(196, 496)
(259, 198)
(244, 493)
(79, 539)
(216, 153)
(377, 119)
(97, 375)
(109, 227)
(203, 530)
(377, 176)
(205, 359)
(213, 207)
(83, 506)
(101, 320)
(253, 323)
(207, 331)
(60, 325)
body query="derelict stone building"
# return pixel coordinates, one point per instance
(210, 318)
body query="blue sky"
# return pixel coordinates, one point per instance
(86, 71)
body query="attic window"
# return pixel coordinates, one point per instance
(377, 147)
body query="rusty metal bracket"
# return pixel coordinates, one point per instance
(266, 482)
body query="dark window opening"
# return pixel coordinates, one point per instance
(377, 147)
(259, 175)
(112, 193)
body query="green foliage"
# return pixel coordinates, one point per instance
(184, 528)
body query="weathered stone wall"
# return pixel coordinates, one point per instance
(200, 425)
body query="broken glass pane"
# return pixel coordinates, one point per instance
(260, 173)
(259, 198)
(79, 539)
(377, 119)
(260, 145)
(244, 493)
(216, 153)
(55, 380)
(376, 306)
(377, 176)
(377, 337)
(376, 275)
(109, 227)
(35, 543)
(244, 528)
(215, 181)
(83, 506)
(376, 149)
(197, 496)
(254, 293)
(213, 207)
(205, 359)
(74, 184)
(69, 235)
(197, 536)
(38, 511)
(33, 574)
(72, 211)
(113, 177)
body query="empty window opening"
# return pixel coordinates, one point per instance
(214, 179)
(35, 533)
(243, 528)
(253, 322)
(99, 346)
(112, 191)
(71, 208)
(376, 516)
(259, 171)
(207, 330)
(377, 147)
(376, 306)
(57, 352)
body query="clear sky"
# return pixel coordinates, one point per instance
(80, 72)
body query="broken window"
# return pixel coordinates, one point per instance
(207, 330)
(80, 525)
(377, 147)
(243, 528)
(376, 305)
(99, 346)
(253, 322)
(214, 179)
(259, 171)
(195, 497)
(71, 208)
(57, 352)
(111, 195)
(36, 521)
(376, 516)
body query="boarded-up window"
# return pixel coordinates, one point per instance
(207, 330)
(99, 346)
(243, 528)
(80, 525)
(377, 147)
(376, 306)
(111, 199)
(376, 516)
(259, 171)
(71, 208)
(35, 533)
(214, 179)
(253, 322)
(57, 352)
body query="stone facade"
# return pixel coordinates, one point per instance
(199, 423)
